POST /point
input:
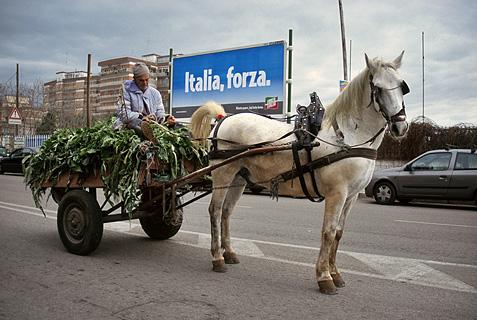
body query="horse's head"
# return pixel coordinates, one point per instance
(387, 93)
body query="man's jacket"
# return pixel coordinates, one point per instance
(137, 104)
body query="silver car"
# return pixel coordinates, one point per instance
(447, 174)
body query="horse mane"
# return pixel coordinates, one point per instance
(348, 101)
(201, 121)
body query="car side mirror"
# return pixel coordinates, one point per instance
(408, 168)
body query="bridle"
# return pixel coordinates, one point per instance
(375, 98)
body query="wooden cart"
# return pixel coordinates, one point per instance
(80, 217)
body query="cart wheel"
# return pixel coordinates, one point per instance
(159, 227)
(57, 194)
(79, 222)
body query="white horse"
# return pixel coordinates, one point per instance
(372, 101)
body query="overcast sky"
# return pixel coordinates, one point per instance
(45, 37)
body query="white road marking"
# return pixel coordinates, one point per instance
(436, 224)
(237, 206)
(25, 207)
(242, 246)
(399, 269)
(37, 212)
(412, 271)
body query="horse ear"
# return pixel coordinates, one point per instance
(397, 61)
(369, 63)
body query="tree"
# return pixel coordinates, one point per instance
(48, 124)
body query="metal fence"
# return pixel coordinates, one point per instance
(27, 141)
(423, 137)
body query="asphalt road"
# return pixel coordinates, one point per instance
(399, 262)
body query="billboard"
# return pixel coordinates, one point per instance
(247, 79)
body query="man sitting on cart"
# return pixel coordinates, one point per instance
(141, 105)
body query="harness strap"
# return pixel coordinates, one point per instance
(300, 173)
(313, 180)
(223, 154)
(371, 140)
(329, 159)
(337, 129)
(216, 131)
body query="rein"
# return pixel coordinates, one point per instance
(300, 169)
(306, 131)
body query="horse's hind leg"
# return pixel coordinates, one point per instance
(233, 195)
(337, 279)
(222, 178)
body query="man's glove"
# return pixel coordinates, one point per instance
(150, 118)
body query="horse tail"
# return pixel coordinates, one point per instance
(202, 118)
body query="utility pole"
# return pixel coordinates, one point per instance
(88, 78)
(289, 78)
(169, 90)
(17, 96)
(422, 76)
(350, 43)
(343, 41)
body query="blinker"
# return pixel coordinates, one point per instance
(405, 88)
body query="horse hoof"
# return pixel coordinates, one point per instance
(327, 287)
(219, 266)
(231, 258)
(338, 280)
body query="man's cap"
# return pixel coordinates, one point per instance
(140, 69)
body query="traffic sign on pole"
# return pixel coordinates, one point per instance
(15, 116)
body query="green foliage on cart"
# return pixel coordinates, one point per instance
(117, 154)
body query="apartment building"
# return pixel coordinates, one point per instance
(66, 96)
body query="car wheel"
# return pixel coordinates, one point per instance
(384, 193)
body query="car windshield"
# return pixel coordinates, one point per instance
(433, 161)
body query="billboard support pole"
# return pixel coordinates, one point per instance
(169, 91)
(289, 79)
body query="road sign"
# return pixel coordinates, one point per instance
(343, 84)
(15, 117)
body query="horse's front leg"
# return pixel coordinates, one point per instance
(233, 195)
(335, 274)
(333, 208)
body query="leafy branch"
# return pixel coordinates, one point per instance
(117, 153)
